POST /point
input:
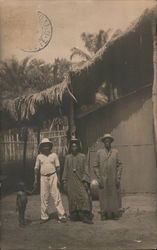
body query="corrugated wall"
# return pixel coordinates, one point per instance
(130, 122)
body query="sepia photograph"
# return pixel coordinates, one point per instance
(78, 124)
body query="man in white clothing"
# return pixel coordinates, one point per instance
(47, 163)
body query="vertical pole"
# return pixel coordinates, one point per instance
(154, 90)
(25, 137)
(38, 135)
(111, 91)
(38, 138)
(71, 116)
(72, 127)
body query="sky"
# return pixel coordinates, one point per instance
(20, 27)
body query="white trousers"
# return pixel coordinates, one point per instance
(48, 187)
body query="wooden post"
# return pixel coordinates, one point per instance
(38, 135)
(72, 127)
(154, 90)
(25, 137)
(111, 91)
(71, 115)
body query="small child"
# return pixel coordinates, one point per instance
(21, 203)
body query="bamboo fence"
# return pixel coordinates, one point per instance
(12, 144)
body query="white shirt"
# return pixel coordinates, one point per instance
(47, 164)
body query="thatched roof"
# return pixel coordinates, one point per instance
(126, 61)
(35, 107)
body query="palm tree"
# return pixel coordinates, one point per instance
(60, 67)
(13, 75)
(76, 51)
(40, 75)
(93, 42)
(25, 76)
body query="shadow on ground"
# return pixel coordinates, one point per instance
(136, 229)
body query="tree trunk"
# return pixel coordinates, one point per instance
(154, 90)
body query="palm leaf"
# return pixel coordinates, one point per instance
(75, 51)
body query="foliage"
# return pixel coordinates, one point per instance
(76, 51)
(60, 68)
(93, 42)
(30, 76)
(13, 75)
(116, 34)
(39, 74)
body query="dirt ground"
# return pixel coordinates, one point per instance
(136, 229)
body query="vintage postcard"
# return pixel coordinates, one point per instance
(78, 124)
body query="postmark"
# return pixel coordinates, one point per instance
(44, 33)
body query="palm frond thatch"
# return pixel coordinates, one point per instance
(119, 57)
(134, 28)
(25, 107)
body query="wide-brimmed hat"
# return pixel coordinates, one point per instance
(107, 136)
(74, 139)
(45, 141)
